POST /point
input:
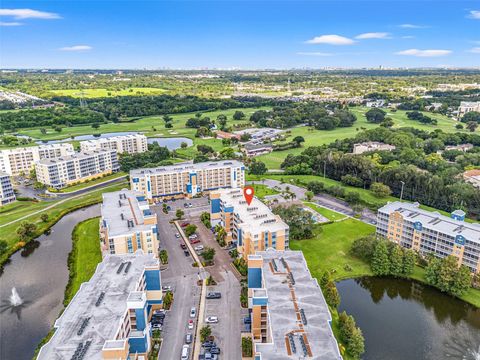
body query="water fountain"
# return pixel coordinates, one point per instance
(15, 299)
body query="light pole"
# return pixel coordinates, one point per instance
(401, 191)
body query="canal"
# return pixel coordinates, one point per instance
(402, 319)
(39, 274)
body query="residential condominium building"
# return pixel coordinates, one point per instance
(429, 232)
(131, 144)
(253, 227)
(64, 171)
(127, 224)
(108, 318)
(6, 189)
(467, 106)
(371, 146)
(22, 160)
(289, 316)
(178, 181)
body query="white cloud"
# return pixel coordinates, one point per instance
(424, 53)
(76, 48)
(408, 37)
(475, 50)
(28, 14)
(314, 54)
(412, 26)
(331, 40)
(474, 14)
(10, 23)
(374, 35)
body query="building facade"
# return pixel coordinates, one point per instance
(64, 171)
(108, 318)
(187, 180)
(131, 144)
(22, 160)
(431, 233)
(127, 224)
(371, 146)
(467, 106)
(6, 189)
(253, 227)
(289, 316)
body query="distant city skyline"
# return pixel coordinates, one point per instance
(245, 35)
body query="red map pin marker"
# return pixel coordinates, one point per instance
(248, 193)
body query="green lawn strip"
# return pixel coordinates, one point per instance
(18, 209)
(263, 190)
(329, 214)
(98, 93)
(91, 182)
(8, 232)
(84, 257)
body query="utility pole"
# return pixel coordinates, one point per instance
(401, 191)
(324, 168)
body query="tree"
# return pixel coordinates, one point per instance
(315, 186)
(190, 229)
(257, 168)
(205, 333)
(375, 115)
(352, 197)
(247, 346)
(26, 230)
(409, 259)
(471, 116)
(300, 221)
(447, 276)
(43, 131)
(44, 217)
(325, 279)
(3, 247)
(298, 140)
(356, 344)
(332, 296)
(179, 214)
(380, 261)
(431, 271)
(163, 256)
(238, 115)
(167, 118)
(471, 126)
(95, 125)
(183, 145)
(309, 195)
(208, 254)
(168, 125)
(205, 219)
(167, 300)
(380, 190)
(396, 261)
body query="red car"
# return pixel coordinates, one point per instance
(194, 241)
(184, 224)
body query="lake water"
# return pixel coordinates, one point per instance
(40, 275)
(404, 320)
(170, 143)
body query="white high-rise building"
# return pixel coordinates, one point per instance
(131, 144)
(21, 160)
(6, 189)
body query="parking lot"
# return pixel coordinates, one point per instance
(183, 277)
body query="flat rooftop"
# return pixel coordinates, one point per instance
(255, 217)
(104, 319)
(184, 167)
(124, 212)
(79, 156)
(113, 138)
(434, 220)
(283, 316)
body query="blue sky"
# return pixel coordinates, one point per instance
(239, 34)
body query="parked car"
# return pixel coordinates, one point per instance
(247, 320)
(185, 352)
(166, 288)
(190, 205)
(214, 295)
(186, 252)
(156, 327)
(183, 246)
(185, 205)
(193, 312)
(159, 311)
(199, 248)
(184, 224)
(190, 324)
(215, 350)
(194, 241)
(177, 235)
(211, 320)
(188, 338)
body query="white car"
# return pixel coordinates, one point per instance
(193, 312)
(211, 320)
(190, 324)
(166, 288)
(199, 248)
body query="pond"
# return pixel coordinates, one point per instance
(403, 319)
(39, 273)
(170, 143)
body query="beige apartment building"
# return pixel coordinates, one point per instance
(131, 144)
(21, 160)
(371, 146)
(127, 224)
(64, 171)
(187, 180)
(253, 227)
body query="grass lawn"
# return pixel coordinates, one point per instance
(329, 214)
(14, 211)
(329, 249)
(92, 182)
(85, 255)
(263, 190)
(97, 93)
